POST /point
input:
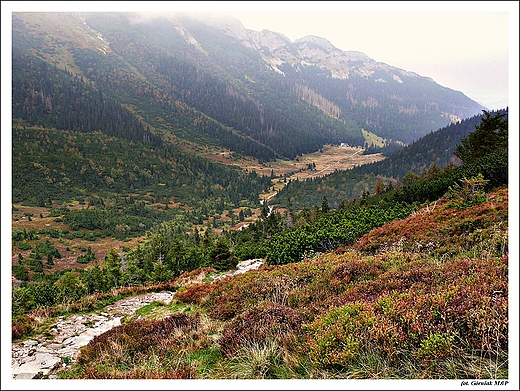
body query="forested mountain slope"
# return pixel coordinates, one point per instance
(197, 81)
(425, 157)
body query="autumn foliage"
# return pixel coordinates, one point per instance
(422, 297)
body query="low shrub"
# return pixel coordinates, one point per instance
(22, 327)
(259, 324)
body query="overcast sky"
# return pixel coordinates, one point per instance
(465, 46)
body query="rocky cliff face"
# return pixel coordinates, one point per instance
(277, 49)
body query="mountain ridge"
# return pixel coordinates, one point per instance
(251, 39)
(367, 92)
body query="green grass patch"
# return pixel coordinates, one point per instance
(204, 361)
(188, 309)
(373, 139)
(147, 309)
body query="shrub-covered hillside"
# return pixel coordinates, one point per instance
(425, 297)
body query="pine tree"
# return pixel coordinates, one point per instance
(489, 135)
(325, 207)
(113, 264)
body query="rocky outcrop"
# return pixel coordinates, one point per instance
(276, 49)
(242, 267)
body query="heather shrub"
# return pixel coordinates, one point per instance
(223, 298)
(257, 325)
(423, 311)
(335, 338)
(230, 296)
(355, 270)
(437, 345)
(445, 229)
(196, 293)
(125, 351)
(387, 338)
(22, 326)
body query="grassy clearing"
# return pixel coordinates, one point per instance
(324, 162)
(373, 140)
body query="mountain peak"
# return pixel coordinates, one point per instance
(226, 23)
(322, 42)
(314, 43)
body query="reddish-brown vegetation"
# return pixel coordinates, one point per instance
(259, 324)
(135, 343)
(404, 302)
(438, 311)
(437, 228)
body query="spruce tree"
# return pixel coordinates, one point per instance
(490, 135)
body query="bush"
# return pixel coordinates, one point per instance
(261, 324)
(469, 193)
(22, 327)
(20, 272)
(336, 338)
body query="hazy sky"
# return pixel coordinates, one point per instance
(467, 46)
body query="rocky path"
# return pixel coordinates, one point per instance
(242, 267)
(39, 356)
(36, 357)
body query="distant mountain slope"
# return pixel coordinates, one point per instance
(254, 93)
(372, 93)
(435, 148)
